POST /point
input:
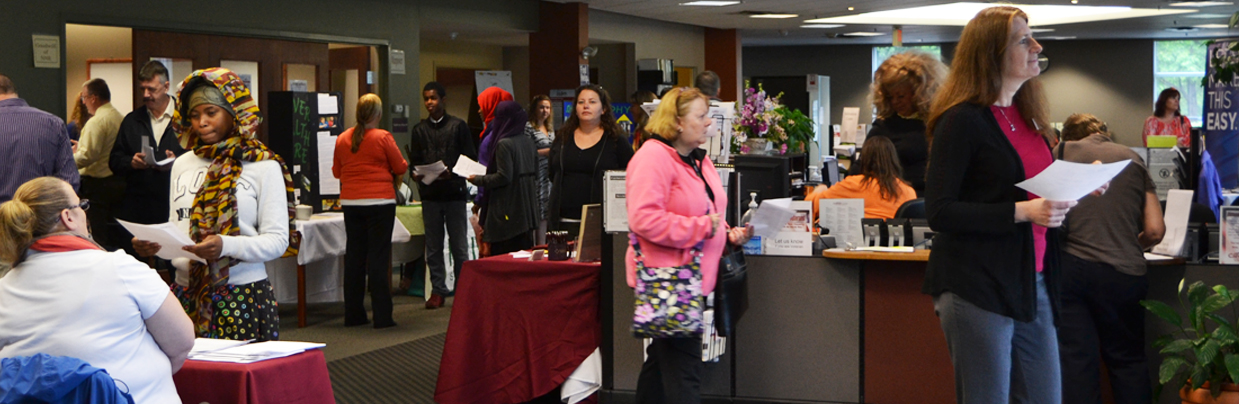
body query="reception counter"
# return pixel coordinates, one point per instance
(847, 328)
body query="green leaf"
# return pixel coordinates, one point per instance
(1232, 366)
(1208, 352)
(1214, 303)
(1163, 310)
(1225, 335)
(1222, 290)
(1199, 376)
(1170, 367)
(1177, 346)
(1163, 340)
(1197, 292)
(1234, 20)
(1220, 320)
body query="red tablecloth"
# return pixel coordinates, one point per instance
(301, 379)
(518, 329)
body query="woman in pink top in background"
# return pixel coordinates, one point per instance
(675, 199)
(1168, 119)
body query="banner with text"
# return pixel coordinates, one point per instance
(1220, 131)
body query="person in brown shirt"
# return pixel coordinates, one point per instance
(1103, 268)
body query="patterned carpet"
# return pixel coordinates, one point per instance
(404, 373)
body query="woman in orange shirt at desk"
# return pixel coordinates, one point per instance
(878, 182)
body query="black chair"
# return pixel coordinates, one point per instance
(913, 209)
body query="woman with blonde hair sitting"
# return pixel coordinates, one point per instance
(66, 296)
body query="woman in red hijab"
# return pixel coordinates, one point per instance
(487, 101)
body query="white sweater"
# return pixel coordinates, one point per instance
(262, 215)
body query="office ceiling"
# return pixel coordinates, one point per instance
(770, 32)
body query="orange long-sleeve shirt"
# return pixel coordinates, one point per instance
(368, 173)
(854, 187)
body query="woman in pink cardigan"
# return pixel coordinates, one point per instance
(674, 202)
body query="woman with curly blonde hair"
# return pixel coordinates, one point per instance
(902, 89)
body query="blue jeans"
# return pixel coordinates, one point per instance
(1000, 360)
(437, 216)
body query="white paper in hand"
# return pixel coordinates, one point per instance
(169, 238)
(150, 157)
(430, 172)
(466, 166)
(771, 216)
(1067, 181)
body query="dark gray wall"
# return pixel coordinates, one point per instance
(1112, 79)
(393, 24)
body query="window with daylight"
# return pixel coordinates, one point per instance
(1181, 64)
(881, 53)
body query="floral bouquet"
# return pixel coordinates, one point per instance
(763, 124)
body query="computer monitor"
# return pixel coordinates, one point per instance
(830, 170)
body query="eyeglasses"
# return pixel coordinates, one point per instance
(85, 205)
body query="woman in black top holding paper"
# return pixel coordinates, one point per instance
(589, 144)
(994, 240)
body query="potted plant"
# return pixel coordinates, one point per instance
(1202, 357)
(763, 125)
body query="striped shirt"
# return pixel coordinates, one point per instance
(33, 144)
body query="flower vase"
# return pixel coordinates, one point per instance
(757, 145)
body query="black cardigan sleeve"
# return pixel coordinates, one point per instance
(960, 164)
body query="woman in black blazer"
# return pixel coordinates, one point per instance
(994, 240)
(589, 144)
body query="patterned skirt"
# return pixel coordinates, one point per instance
(242, 312)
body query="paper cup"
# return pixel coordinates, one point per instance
(304, 211)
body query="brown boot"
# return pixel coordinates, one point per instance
(435, 301)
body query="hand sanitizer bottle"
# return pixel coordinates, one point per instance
(753, 246)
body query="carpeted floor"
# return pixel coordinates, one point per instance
(403, 373)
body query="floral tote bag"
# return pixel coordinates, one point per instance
(669, 303)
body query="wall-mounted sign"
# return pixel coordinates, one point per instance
(397, 61)
(46, 51)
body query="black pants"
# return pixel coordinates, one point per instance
(672, 372)
(367, 255)
(1100, 318)
(105, 195)
(522, 242)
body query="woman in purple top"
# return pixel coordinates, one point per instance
(988, 131)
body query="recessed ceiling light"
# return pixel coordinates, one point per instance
(863, 33)
(958, 14)
(1055, 38)
(851, 8)
(774, 15)
(821, 26)
(1212, 26)
(1207, 16)
(1040, 30)
(710, 3)
(1201, 3)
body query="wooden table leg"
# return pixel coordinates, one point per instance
(300, 296)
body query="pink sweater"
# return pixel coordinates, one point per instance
(667, 211)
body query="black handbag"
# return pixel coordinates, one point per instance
(731, 290)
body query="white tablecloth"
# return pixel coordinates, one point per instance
(323, 240)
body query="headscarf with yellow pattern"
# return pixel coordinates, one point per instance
(214, 206)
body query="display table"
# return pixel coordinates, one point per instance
(297, 379)
(518, 329)
(323, 241)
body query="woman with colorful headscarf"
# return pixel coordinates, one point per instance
(232, 195)
(510, 208)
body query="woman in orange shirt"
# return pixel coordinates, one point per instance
(369, 167)
(878, 182)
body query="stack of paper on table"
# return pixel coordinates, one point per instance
(244, 352)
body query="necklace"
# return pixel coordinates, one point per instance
(1004, 117)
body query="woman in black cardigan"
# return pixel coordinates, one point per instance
(589, 144)
(994, 240)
